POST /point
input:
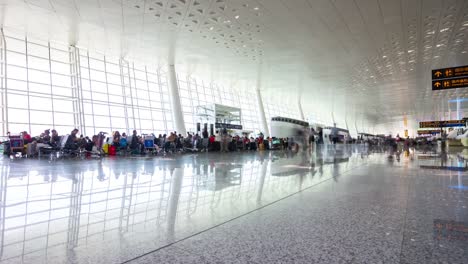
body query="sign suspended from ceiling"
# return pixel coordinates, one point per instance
(228, 126)
(450, 78)
(428, 132)
(439, 124)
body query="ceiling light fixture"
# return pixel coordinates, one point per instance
(444, 29)
(211, 28)
(237, 17)
(256, 8)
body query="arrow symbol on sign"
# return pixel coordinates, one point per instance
(438, 74)
(437, 84)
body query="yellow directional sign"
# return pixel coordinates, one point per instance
(447, 73)
(450, 83)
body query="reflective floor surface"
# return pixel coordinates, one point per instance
(343, 204)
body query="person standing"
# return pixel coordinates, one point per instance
(205, 140)
(224, 140)
(334, 134)
(320, 136)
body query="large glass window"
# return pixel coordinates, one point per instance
(46, 90)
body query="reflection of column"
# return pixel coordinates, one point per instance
(75, 210)
(176, 187)
(127, 196)
(460, 182)
(3, 195)
(449, 111)
(458, 108)
(179, 124)
(262, 182)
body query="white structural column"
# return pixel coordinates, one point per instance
(261, 110)
(3, 84)
(299, 105)
(177, 115)
(77, 91)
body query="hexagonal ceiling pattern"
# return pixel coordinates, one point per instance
(367, 58)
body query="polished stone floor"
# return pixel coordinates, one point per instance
(343, 204)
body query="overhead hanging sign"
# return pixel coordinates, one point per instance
(450, 84)
(438, 124)
(428, 132)
(450, 78)
(228, 126)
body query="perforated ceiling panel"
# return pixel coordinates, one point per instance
(364, 59)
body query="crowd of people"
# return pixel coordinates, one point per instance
(142, 144)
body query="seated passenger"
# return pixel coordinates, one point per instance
(157, 140)
(26, 137)
(54, 139)
(73, 140)
(170, 140)
(212, 139)
(87, 144)
(45, 137)
(179, 141)
(116, 139)
(123, 143)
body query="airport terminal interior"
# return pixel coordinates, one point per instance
(233, 131)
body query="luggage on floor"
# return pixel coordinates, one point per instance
(31, 149)
(105, 148)
(261, 146)
(112, 150)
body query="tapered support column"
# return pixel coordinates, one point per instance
(261, 110)
(299, 105)
(177, 114)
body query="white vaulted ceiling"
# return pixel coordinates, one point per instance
(366, 59)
